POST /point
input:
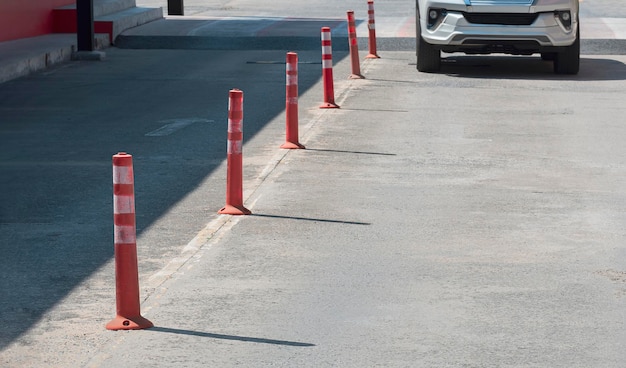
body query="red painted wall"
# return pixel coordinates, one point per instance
(27, 18)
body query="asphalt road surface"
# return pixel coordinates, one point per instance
(468, 218)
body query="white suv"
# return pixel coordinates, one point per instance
(518, 27)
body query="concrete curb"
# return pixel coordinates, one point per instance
(30, 55)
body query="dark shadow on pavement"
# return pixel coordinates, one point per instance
(355, 152)
(373, 110)
(257, 340)
(281, 62)
(236, 33)
(529, 68)
(58, 132)
(395, 80)
(311, 219)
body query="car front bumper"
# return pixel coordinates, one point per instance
(455, 33)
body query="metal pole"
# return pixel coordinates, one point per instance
(175, 7)
(84, 19)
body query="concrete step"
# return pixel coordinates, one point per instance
(103, 7)
(110, 16)
(28, 55)
(116, 23)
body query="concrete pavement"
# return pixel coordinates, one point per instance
(415, 232)
(412, 231)
(213, 25)
(205, 26)
(435, 220)
(394, 20)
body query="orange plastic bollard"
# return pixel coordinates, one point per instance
(234, 171)
(327, 71)
(371, 25)
(126, 269)
(354, 47)
(291, 103)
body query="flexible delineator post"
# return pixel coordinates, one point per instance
(327, 70)
(291, 103)
(371, 25)
(234, 171)
(126, 270)
(354, 47)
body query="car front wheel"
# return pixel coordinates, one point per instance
(428, 57)
(568, 61)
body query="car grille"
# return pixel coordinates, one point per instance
(502, 2)
(511, 19)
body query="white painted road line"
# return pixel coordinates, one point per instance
(174, 125)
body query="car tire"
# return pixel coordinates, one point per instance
(568, 61)
(428, 57)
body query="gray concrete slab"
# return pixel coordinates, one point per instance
(468, 218)
(59, 129)
(473, 217)
(435, 220)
